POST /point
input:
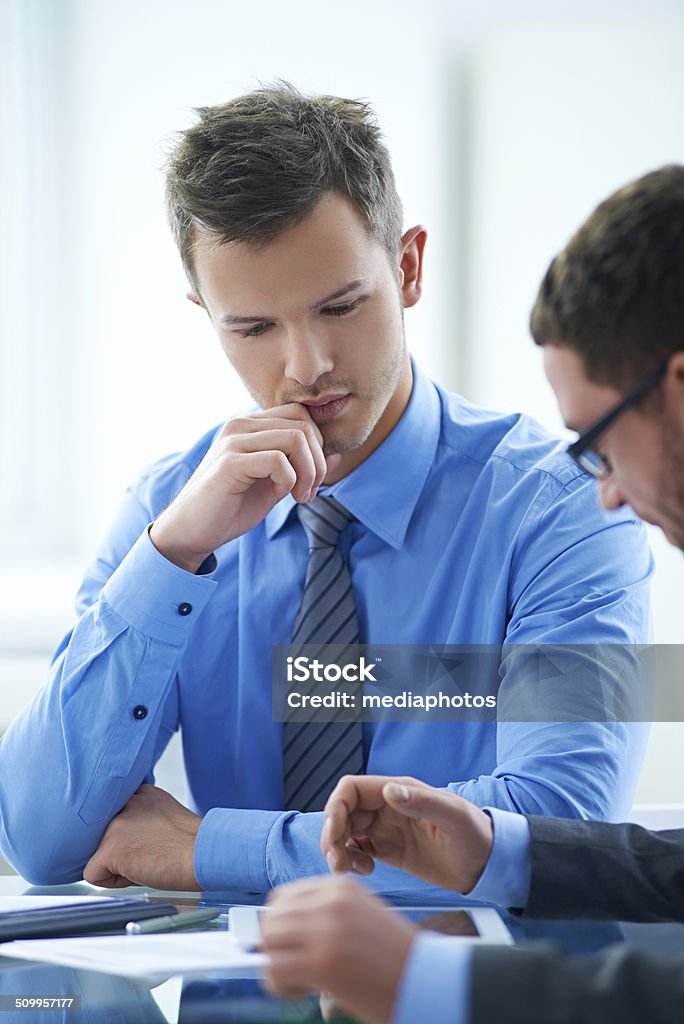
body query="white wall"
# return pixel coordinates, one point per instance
(507, 123)
(559, 116)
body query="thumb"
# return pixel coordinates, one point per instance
(442, 809)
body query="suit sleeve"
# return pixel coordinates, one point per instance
(601, 871)
(535, 986)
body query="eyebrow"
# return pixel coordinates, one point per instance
(229, 320)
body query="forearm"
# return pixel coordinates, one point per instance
(255, 851)
(435, 982)
(545, 768)
(534, 986)
(73, 759)
(92, 734)
(603, 872)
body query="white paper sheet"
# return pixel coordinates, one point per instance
(143, 956)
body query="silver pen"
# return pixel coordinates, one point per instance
(171, 922)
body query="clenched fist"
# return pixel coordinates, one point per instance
(330, 935)
(254, 462)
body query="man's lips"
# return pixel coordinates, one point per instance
(326, 407)
(323, 400)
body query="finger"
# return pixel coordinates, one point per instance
(249, 467)
(362, 844)
(362, 792)
(300, 451)
(353, 793)
(337, 854)
(361, 863)
(340, 859)
(97, 871)
(443, 809)
(351, 858)
(323, 465)
(337, 834)
(361, 822)
(282, 417)
(285, 975)
(286, 930)
(295, 894)
(349, 812)
(106, 879)
(292, 418)
(337, 815)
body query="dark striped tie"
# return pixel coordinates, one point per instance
(317, 754)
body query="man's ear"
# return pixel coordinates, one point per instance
(674, 382)
(411, 264)
(194, 297)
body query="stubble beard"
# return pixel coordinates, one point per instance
(374, 400)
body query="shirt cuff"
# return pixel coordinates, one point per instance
(154, 596)
(435, 984)
(506, 877)
(230, 849)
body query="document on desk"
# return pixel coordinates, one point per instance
(144, 956)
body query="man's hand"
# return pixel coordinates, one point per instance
(254, 462)
(330, 935)
(150, 842)
(428, 832)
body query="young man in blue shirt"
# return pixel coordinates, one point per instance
(465, 526)
(610, 316)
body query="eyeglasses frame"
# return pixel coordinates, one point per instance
(589, 436)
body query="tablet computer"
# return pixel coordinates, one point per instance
(474, 924)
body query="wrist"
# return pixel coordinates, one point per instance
(176, 553)
(481, 848)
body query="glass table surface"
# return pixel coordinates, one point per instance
(213, 998)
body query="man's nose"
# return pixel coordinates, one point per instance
(610, 495)
(306, 357)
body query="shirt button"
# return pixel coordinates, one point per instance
(185, 608)
(140, 711)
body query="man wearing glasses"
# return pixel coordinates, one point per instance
(585, 451)
(610, 318)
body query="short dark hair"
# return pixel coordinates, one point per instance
(256, 165)
(615, 294)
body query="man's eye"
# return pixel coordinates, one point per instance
(254, 332)
(348, 307)
(605, 461)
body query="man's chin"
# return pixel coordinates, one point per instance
(673, 535)
(341, 445)
(677, 539)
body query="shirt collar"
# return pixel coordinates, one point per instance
(383, 491)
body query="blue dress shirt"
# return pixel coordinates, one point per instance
(472, 527)
(435, 981)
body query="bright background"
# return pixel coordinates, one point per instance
(507, 124)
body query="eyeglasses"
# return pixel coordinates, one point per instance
(582, 450)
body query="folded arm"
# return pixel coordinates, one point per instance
(95, 730)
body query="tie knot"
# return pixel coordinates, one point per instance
(323, 520)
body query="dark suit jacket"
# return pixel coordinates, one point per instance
(584, 869)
